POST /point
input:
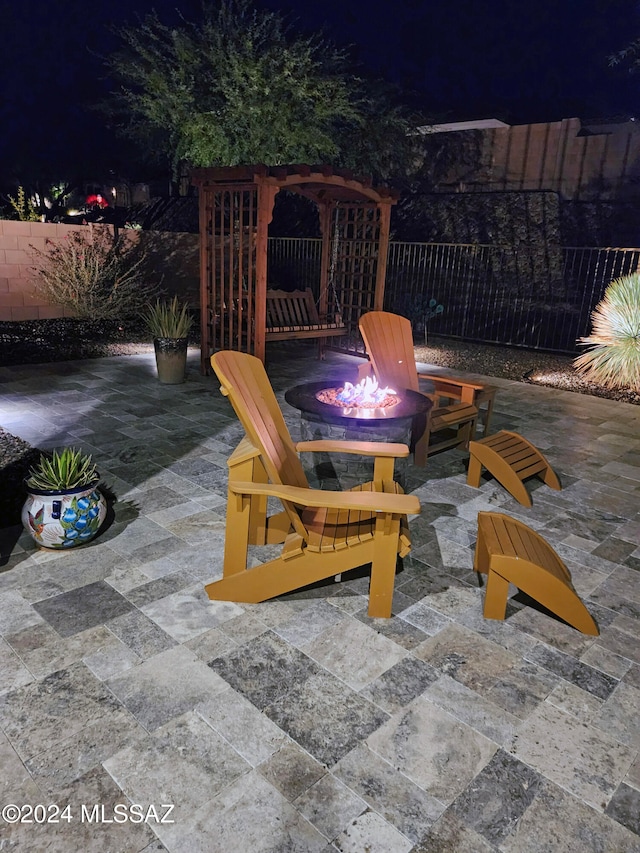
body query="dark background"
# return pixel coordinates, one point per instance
(520, 62)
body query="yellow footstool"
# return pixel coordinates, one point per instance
(510, 458)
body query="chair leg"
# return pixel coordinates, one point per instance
(466, 433)
(495, 597)
(486, 395)
(481, 553)
(550, 478)
(420, 440)
(252, 471)
(236, 543)
(421, 450)
(487, 416)
(383, 567)
(474, 472)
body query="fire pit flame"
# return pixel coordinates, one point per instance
(365, 393)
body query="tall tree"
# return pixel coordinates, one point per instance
(628, 57)
(239, 86)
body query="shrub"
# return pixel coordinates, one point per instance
(23, 207)
(614, 360)
(93, 275)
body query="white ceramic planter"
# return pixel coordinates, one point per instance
(62, 519)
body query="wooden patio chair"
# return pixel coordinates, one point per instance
(389, 343)
(323, 533)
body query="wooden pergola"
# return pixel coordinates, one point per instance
(236, 206)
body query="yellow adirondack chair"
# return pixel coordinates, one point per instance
(323, 533)
(389, 343)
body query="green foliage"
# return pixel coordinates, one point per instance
(168, 319)
(519, 219)
(381, 142)
(614, 359)
(64, 469)
(41, 201)
(629, 56)
(93, 275)
(240, 87)
(450, 159)
(53, 198)
(24, 207)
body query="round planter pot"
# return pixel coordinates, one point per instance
(62, 519)
(171, 359)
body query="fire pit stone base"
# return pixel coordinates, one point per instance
(320, 421)
(344, 470)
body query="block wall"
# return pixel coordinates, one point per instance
(173, 261)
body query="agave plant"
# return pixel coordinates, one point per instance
(614, 357)
(62, 470)
(168, 319)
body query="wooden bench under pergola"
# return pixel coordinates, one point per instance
(236, 206)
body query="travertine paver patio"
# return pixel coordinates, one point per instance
(300, 724)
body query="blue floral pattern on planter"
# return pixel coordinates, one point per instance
(59, 520)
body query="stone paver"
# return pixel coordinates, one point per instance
(301, 724)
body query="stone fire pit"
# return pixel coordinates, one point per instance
(391, 422)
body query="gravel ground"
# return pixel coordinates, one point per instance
(40, 341)
(539, 368)
(44, 341)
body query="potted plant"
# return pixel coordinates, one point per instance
(64, 506)
(169, 321)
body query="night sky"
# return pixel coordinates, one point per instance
(460, 59)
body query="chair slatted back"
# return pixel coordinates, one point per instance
(388, 339)
(245, 382)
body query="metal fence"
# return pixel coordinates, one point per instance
(534, 297)
(294, 263)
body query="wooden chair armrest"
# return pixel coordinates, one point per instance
(440, 379)
(381, 449)
(365, 370)
(364, 501)
(243, 452)
(448, 387)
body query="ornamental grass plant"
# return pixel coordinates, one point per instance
(614, 357)
(66, 469)
(168, 319)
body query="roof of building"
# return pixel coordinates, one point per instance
(450, 127)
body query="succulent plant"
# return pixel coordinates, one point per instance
(60, 470)
(168, 319)
(614, 357)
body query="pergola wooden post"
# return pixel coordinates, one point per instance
(381, 270)
(266, 200)
(236, 207)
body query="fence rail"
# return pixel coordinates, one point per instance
(534, 297)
